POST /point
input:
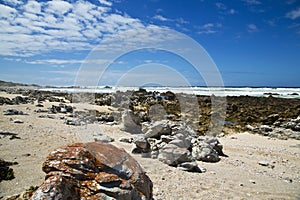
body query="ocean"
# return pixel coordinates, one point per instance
(207, 91)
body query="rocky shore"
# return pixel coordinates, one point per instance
(166, 139)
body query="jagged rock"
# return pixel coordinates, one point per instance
(131, 122)
(93, 170)
(290, 125)
(5, 100)
(297, 127)
(190, 167)
(173, 156)
(271, 119)
(141, 143)
(19, 100)
(207, 149)
(156, 129)
(205, 152)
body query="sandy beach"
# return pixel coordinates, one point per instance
(241, 175)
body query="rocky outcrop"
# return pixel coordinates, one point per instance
(279, 128)
(176, 144)
(93, 170)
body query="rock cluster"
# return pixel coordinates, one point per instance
(278, 128)
(93, 170)
(175, 144)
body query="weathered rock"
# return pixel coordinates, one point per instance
(93, 170)
(173, 156)
(99, 137)
(6, 173)
(19, 100)
(131, 122)
(207, 149)
(190, 167)
(297, 127)
(205, 152)
(62, 108)
(158, 128)
(5, 100)
(141, 143)
(271, 119)
(13, 112)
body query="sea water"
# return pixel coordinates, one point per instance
(206, 91)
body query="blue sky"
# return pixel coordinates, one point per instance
(252, 42)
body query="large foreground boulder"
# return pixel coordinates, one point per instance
(93, 170)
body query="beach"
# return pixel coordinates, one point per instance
(259, 164)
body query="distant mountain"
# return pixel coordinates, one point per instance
(11, 84)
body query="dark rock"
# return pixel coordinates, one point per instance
(13, 112)
(296, 128)
(6, 173)
(271, 119)
(126, 139)
(190, 167)
(93, 170)
(4, 100)
(141, 143)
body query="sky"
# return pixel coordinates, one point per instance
(164, 42)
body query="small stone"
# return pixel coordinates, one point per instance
(99, 137)
(252, 181)
(18, 121)
(126, 139)
(288, 180)
(266, 164)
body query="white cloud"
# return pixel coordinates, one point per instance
(7, 12)
(182, 21)
(161, 18)
(105, 2)
(58, 7)
(37, 27)
(294, 14)
(32, 7)
(13, 2)
(252, 28)
(209, 28)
